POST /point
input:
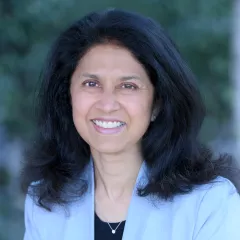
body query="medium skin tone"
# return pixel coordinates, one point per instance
(110, 85)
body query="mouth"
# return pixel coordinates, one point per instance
(108, 124)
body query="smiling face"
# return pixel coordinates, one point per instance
(112, 99)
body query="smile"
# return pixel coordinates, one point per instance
(108, 124)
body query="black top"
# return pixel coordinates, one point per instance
(103, 231)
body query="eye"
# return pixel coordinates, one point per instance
(90, 84)
(129, 86)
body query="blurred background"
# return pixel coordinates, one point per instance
(207, 33)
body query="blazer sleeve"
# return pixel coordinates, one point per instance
(31, 231)
(219, 213)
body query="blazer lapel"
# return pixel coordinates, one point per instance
(139, 209)
(138, 212)
(84, 209)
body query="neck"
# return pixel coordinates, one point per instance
(115, 175)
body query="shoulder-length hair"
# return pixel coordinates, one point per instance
(177, 161)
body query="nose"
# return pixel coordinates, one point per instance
(108, 102)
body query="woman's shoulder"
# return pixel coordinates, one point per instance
(211, 209)
(218, 185)
(218, 210)
(214, 198)
(219, 190)
(219, 193)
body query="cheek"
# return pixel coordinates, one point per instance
(80, 107)
(139, 115)
(80, 111)
(139, 108)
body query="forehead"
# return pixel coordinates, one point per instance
(110, 58)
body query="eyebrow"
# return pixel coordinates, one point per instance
(124, 78)
(88, 75)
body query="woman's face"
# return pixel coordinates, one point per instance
(112, 99)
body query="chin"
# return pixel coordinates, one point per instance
(108, 148)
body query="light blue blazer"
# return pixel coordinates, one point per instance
(210, 212)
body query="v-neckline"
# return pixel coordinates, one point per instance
(99, 219)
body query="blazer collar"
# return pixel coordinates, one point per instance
(138, 212)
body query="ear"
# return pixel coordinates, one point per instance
(155, 112)
(155, 109)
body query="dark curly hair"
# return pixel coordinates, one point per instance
(177, 161)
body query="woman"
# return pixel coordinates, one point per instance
(117, 156)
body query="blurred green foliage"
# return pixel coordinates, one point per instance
(201, 30)
(11, 219)
(4, 177)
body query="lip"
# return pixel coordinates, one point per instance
(108, 131)
(107, 119)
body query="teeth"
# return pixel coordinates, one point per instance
(104, 124)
